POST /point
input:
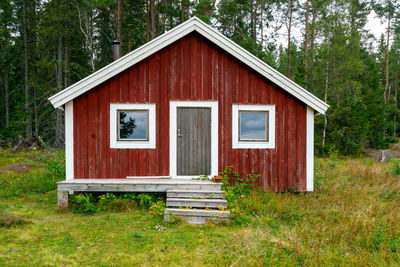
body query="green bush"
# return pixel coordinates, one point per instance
(89, 203)
(84, 203)
(157, 208)
(235, 186)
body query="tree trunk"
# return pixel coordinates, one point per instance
(67, 65)
(261, 27)
(396, 78)
(6, 97)
(325, 99)
(289, 26)
(326, 91)
(28, 126)
(130, 40)
(86, 26)
(254, 20)
(152, 20)
(35, 112)
(119, 29)
(182, 10)
(306, 44)
(385, 94)
(59, 123)
(147, 21)
(312, 41)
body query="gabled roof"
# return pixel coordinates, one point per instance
(191, 25)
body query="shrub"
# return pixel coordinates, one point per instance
(89, 203)
(105, 199)
(157, 208)
(235, 186)
(84, 203)
(146, 200)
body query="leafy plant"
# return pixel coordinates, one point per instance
(157, 208)
(146, 200)
(85, 203)
(235, 186)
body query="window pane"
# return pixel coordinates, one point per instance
(133, 125)
(253, 125)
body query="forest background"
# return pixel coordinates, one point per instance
(47, 45)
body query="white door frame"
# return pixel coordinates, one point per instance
(174, 105)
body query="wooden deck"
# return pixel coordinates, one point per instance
(129, 185)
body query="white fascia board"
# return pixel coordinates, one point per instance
(193, 24)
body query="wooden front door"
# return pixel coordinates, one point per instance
(193, 141)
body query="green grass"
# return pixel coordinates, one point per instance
(353, 218)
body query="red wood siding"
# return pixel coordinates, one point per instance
(190, 69)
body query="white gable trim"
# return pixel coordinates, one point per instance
(193, 24)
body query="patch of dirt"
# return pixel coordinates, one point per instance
(17, 167)
(395, 147)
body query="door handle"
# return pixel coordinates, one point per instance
(179, 133)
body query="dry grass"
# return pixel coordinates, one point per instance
(7, 220)
(352, 219)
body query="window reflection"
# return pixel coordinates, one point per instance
(133, 125)
(253, 126)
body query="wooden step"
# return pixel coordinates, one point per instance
(196, 203)
(196, 216)
(195, 194)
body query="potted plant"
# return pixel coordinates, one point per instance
(217, 178)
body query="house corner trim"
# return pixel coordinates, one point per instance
(310, 150)
(69, 140)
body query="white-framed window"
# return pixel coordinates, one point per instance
(253, 126)
(132, 125)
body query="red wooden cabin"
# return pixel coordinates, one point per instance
(186, 104)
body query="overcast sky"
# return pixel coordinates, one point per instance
(373, 25)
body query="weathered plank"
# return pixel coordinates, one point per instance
(177, 73)
(133, 185)
(62, 200)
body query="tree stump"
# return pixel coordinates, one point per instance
(384, 155)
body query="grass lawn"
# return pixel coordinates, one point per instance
(353, 218)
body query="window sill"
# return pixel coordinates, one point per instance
(253, 145)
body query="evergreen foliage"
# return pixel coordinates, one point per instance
(45, 46)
